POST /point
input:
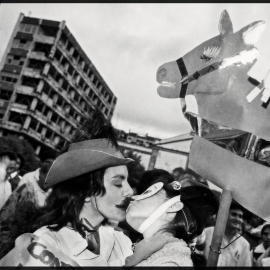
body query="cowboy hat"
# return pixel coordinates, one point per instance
(84, 157)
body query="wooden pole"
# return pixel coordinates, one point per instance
(153, 158)
(221, 222)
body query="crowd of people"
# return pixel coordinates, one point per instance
(80, 208)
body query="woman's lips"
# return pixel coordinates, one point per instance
(123, 206)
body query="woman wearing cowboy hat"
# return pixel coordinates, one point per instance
(89, 186)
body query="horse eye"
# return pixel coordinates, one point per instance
(205, 58)
(210, 53)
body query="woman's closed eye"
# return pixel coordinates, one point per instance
(118, 183)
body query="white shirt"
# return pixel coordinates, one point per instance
(30, 180)
(114, 246)
(259, 250)
(31, 177)
(236, 254)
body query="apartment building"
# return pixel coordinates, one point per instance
(48, 84)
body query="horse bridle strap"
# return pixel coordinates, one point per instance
(184, 73)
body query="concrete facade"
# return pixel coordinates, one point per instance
(48, 84)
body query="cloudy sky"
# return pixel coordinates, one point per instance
(128, 42)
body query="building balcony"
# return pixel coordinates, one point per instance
(20, 108)
(44, 39)
(34, 134)
(30, 72)
(41, 116)
(46, 99)
(12, 126)
(38, 55)
(25, 89)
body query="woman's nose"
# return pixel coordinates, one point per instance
(128, 191)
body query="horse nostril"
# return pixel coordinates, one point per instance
(161, 74)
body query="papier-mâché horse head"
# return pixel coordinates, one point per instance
(215, 73)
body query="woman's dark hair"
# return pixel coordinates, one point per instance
(154, 176)
(184, 226)
(65, 202)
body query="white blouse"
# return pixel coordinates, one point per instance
(114, 245)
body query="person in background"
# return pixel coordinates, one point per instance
(261, 248)
(6, 159)
(169, 216)
(238, 252)
(177, 173)
(253, 227)
(14, 171)
(17, 211)
(46, 157)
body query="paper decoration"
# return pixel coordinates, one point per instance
(247, 180)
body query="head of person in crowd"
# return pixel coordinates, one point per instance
(266, 236)
(43, 171)
(7, 159)
(253, 219)
(47, 158)
(88, 179)
(19, 162)
(16, 164)
(235, 218)
(167, 207)
(177, 173)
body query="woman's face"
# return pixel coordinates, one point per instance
(114, 203)
(139, 210)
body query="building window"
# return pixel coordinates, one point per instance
(15, 60)
(27, 28)
(21, 43)
(9, 79)
(5, 94)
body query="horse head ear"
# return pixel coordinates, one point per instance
(225, 23)
(252, 32)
